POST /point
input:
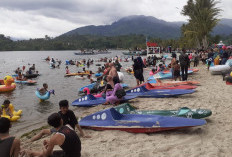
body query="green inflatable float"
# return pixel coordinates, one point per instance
(182, 112)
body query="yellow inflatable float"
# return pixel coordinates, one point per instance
(16, 115)
(8, 86)
(81, 73)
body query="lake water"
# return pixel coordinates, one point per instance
(23, 97)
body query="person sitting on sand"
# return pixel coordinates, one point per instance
(65, 137)
(67, 116)
(43, 90)
(161, 67)
(9, 145)
(176, 73)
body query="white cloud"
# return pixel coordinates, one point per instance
(37, 18)
(19, 24)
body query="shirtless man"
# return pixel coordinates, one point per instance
(9, 145)
(113, 73)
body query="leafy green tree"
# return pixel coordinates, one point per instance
(203, 17)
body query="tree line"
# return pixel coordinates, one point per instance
(202, 18)
(95, 42)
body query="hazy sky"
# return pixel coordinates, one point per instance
(37, 18)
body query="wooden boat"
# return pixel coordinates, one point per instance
(182, 112)
(110, 119)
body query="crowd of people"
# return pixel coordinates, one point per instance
(63, 133)
(64, 123)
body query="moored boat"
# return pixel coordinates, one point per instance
(110, 119)
(90, 100)
(182, 112)
(143, 92)
(135, 53)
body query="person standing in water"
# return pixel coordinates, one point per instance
(43, 90)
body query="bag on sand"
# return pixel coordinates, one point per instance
(120, 93)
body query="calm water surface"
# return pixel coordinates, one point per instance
(34, 112)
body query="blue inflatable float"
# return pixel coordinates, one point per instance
(46, 96)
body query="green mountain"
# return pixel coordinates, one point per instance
(146, 25)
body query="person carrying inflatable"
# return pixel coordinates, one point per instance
(7, 111)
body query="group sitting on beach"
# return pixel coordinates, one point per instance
(63, 126)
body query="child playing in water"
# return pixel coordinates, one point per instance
(20, 77)
(91, 79)
(176, 67)
(84, 70)
(43, 90)
(67, 70)
(7, 108)
(18, 70)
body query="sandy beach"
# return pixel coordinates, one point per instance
(210, 140)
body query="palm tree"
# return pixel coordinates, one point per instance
(203, 17)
